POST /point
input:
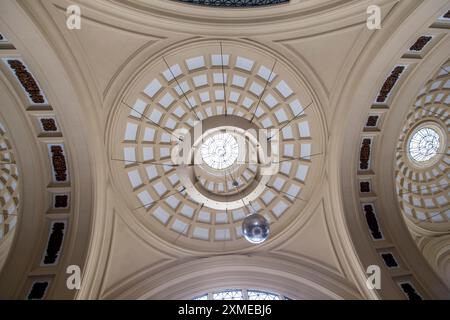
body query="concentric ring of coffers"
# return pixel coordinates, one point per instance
(200, 206)
(422, 167)
(9, 185)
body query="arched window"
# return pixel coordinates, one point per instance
(241, 294)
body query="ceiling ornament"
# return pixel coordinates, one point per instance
(27, 80)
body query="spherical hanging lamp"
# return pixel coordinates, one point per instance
(255, 228)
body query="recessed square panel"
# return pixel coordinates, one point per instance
(221, 217)
(267, 197)
(209, 112)
(171, 124)
(164, 152)
(204, 96)
(218, 60)
(167, 100)
(293, 191)
(152, 173)
(201, 233)
(244, 63)
(160, 188)
(259, 112)
(447, 84)
(204, 216)
(161, 215)
(155, 116)
(287, 133)
(267, 123)
(174, 70)
(239, 233)
(234, 96)
(191, 103)
(135, 179)
(165, 137)
(179, 112)
(256, 89)
(222, 234)
(180, 227)
(248, 103)
(296, 108)
(138, 109)
(270, 101)
(129, 155)
(239, 81)
(284, 89)
(280, 208)
(289, 150)
(220, 78)
(265, 73)
(247, 175)
(421, 215)
(173, 202)
(195, 63)
(302, 172)
(281, 116)
(238, 215)
(131, 132)
(279, 183)
(174, 179)
(219, 95)
(145, 198)
(255, 206)
(147, 153)
(436, 85)
(187, 211)
(182, 88)
(303, 128)
(305, 151)
(200, 81)
(152, 89)
(149, 134)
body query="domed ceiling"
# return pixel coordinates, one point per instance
(422, 167)
(254, 144)
(198, 117)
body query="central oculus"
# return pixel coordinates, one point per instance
(220, 151)
(424, 144)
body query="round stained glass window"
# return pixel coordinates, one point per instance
(220, 151)
(424, 144)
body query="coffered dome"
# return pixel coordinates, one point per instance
(254, 149)
(244, 102)
(422, 176)
(9, 185)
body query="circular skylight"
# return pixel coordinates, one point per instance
(424, 144)
(220, 151)
(241, 294)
